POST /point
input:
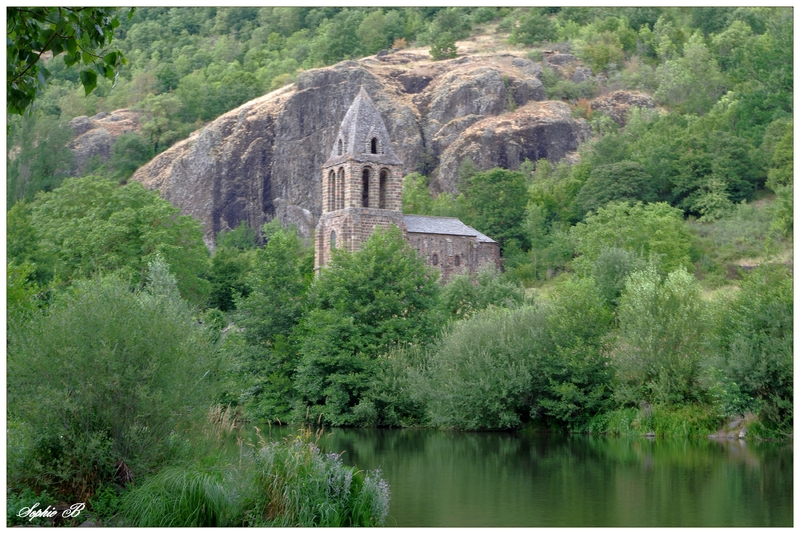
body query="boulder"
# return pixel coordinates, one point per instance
(581, 74)
(617, 104)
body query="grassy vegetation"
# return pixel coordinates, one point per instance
(288, 483)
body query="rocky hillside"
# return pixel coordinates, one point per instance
(95, 135)
(263, 159)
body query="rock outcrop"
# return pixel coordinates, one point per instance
(263, 159)
(617, 104)
(94, 136)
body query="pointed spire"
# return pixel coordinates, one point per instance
(362, 135)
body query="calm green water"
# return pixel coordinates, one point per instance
(505, 479)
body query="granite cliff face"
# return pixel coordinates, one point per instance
(263, 159)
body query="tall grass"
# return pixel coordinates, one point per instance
(688, 421)
(181, 496)
(298, 485)
(285, 484)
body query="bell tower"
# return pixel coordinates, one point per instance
(362, 183)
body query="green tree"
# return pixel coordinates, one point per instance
(416, 195)
(39, 158)
(692, 83)
(780, 179)
(132, 368)
(534, 27)
(495, 202)
(372, 32)
(625, 180)
(646, 230)
(337, 39)
(129, 152)
(663, 338)
(84, 34)
(361, 305)
(757, 342)
(277, 286)
(94, 226)
(602, 50)
(444, 46)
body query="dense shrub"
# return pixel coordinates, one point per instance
(652, 229)
(617, 181)
(101, 381)
(501, 368)
(466, 294)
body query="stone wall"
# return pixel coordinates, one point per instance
(453, 254)
(352, 227)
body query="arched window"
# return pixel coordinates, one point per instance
(365, 188)
(374, 145)
(331, 191)
(382, 190)
(457, 260)
(339, 201)
(333, 240)
(340, 147)
(435, 259)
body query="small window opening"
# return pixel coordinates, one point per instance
(333, 240)
(457, 260)
(374, 145)
(435, 259)
(365, 188)
(340, 147)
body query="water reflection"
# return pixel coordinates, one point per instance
(507, 479)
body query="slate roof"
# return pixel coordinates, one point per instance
(425, 224)
(361, 123)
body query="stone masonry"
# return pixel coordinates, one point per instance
(362, 188)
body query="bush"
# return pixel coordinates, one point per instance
(534, 27)
(102, 380)
(286, 483)
(611, 269)
(679, 422)
(467, 294)
(502, 368)
(652, 229)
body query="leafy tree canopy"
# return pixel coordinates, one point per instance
(652, 229)
(84, 34)
(92, 226)
(361, 305)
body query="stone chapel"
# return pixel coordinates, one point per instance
(362, 189)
